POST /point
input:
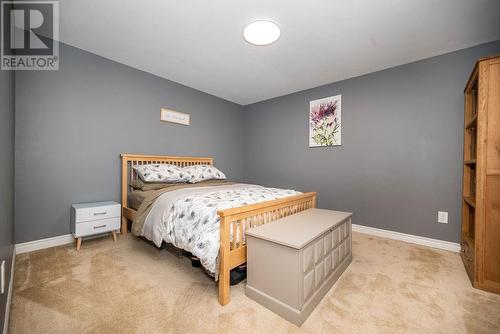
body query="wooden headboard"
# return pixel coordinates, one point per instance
(128, 174)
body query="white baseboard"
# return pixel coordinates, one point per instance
(414, 239)
(9, 294)
(31, 246)
(66, 239)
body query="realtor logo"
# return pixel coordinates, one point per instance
(30, 34)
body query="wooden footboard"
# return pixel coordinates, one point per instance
(234, 222)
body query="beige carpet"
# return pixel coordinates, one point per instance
(132, 287)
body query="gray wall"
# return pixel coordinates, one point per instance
(72, 124)
(401, 155)
(6, 178)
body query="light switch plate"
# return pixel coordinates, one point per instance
(443, 217)
(2, 278)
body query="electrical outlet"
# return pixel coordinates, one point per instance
(2, 278)
(443, 217)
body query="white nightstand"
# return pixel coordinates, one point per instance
(94, 218)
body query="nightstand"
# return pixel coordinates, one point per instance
(88, 219)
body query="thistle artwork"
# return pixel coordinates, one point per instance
(325, 126)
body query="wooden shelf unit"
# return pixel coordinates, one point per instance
(480, 237)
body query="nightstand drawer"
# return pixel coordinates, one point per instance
(97, 212)
(97, 226)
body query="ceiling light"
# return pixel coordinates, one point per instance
(261, 33)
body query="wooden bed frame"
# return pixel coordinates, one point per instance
(232, 250)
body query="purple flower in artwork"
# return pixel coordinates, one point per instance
(322, 111)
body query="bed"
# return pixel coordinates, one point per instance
(232, 221)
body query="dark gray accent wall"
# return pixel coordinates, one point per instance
(401, 155)
(6, 179)
(72, 125)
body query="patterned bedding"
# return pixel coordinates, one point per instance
(187, 218)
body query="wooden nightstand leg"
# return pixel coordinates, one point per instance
(78, 243)
(113, 235)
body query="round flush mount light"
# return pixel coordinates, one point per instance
(261, 33)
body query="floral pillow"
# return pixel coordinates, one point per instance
(200, 173)
(160, 173)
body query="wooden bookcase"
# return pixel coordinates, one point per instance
(480, 242)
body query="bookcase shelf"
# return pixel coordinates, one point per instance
(470, 200)
(472, 123)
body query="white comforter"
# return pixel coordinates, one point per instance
(187, 218)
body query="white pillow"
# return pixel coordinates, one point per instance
(198, 173)
(160, 173)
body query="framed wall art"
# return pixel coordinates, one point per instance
(177, 117)
(325, 126)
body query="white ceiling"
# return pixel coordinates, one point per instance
(199, 43)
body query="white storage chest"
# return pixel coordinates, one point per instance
(294, 261)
